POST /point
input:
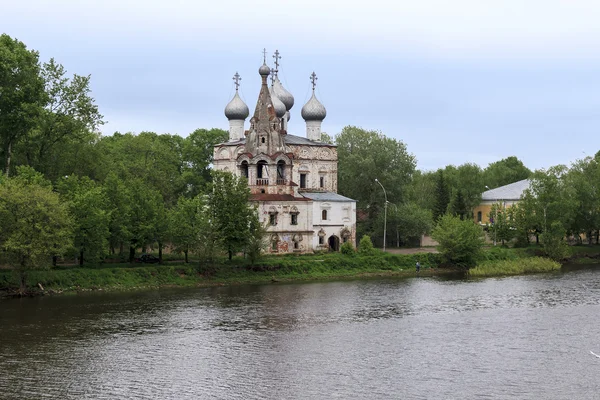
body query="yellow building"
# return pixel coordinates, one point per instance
(507, 196)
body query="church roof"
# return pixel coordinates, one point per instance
(325, 196)
(275, 197)
(512, 191)
(288, 139)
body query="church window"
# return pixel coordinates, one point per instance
(302, 181)
(273, 219)
(262, 139)
(261, 170)
(296, 245)
(274, 245)
(321, 181)
(281, 172)
(324, 215)
(321, 240)
(294, 219)
(244, 169)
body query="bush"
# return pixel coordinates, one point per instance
(460, 242)
(555, 246)
(347, 249)
(365, 246)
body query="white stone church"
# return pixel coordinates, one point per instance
(293, 179)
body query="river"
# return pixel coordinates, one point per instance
(526, 337)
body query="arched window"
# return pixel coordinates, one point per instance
(324, 215)
(244, 168)
(281, 172)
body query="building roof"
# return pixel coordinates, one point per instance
(325, 196)
(275, 197)
(288, 139)
(512, 191)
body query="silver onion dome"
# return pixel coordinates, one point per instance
(313, 110)
(277, 104)
(286, 97)
(236, 109)
(264, 70)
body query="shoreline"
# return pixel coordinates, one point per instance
(315, 268)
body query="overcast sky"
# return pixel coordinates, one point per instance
(457, 81)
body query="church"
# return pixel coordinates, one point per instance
(292, 179)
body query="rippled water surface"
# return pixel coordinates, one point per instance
(525, 337)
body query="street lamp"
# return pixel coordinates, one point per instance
(384, 213)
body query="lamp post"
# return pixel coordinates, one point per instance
(384, 213)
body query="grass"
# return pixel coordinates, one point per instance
(514, 267)
(125, 276)
(284, 268)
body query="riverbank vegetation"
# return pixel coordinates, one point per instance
(69, 193)
(514, 267)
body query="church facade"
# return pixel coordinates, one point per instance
(292, 179)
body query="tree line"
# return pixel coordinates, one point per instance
(112, 195)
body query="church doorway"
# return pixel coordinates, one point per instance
(334, 243)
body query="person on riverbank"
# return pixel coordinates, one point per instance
(418, 266)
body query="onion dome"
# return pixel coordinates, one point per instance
(236, 109)
(313, 110)
(277, 104)
(286, 97)
(264, 70)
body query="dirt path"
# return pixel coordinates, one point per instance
(414, 250)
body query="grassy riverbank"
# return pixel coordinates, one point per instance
(287, 268)
(279, 269)
(514, 267)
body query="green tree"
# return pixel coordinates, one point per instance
(21, 94)
(442, 196)
(505, 171)
(231, 213)
(549, 198)
(34, 226)
(421, 190)
(553, 240)
(458, 206)
(146, 215)
(119, 208)
(69, 117)
(257, 240)
(502, 228)
(365, 246)
(186, 222)
(198, 149)
(156, 160)
(88, 206)
(409, 221)
(364, 156)
(584, 178)
(466, 183)
(325, 138)
(460, 241)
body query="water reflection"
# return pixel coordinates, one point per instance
(519, 337)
